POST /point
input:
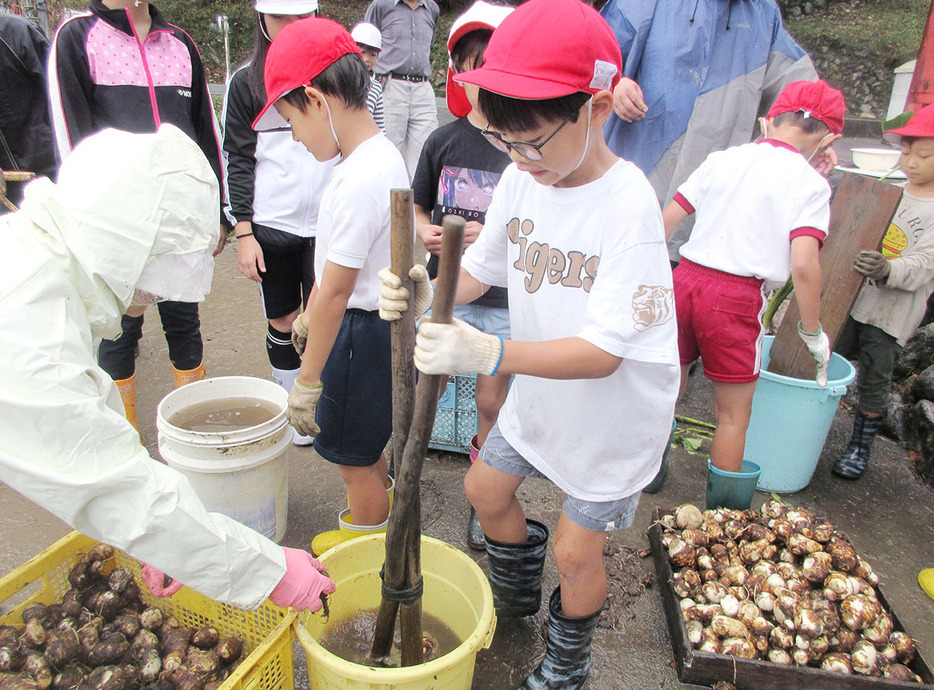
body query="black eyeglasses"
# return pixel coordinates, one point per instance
(532, 152)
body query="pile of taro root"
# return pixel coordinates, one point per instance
(102, 637)
(782, 585)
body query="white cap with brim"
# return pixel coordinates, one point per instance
(286, 6)
(368, 35)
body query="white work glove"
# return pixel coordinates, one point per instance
(299, 334)
(303, 405)
(456, 348)
(819, 346)
(393, 298)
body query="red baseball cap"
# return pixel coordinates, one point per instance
(300, 52)
(480, 15)
(547, 49)
(921, 124)
(815, 99)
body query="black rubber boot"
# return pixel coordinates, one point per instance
(852, 463)
(475, 538)
(515, 572)
(567, 651)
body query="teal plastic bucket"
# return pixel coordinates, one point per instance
(790, 422)
(732, 490)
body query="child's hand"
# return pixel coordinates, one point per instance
(818, 344)
(250, 258)
(303, 405)
(430, 235)
(628, 101)
(299, 335)
(456, 348)
(472, 230)
(873, 265)
(394, 299)
(221, 241)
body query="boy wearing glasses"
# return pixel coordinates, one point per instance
(457, 173)
(576, 235)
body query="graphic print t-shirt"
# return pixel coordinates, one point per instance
(456, 174)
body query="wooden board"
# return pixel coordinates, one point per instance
(860, 214)
(704, 668)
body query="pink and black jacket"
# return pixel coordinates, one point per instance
(101, 75)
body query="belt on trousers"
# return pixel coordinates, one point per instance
(414, 78)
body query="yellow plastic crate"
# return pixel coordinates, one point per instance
(266, 633)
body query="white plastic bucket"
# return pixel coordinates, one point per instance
(243, 473)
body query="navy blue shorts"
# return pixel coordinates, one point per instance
(355, 409)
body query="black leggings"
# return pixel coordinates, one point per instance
(182, 333)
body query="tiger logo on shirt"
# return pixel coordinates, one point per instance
(652, 305)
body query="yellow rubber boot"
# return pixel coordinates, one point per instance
(348, 530)
(186, 376)
(127, 388)
(390, 491)
(926, 580)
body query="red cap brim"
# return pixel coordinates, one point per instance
(515, 85)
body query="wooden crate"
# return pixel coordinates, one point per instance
(704, 668)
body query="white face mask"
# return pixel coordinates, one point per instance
(764, 126)
(331, 125)
(819, 144)
(587, 138)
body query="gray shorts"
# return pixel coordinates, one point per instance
(604, 516)
(490, 320)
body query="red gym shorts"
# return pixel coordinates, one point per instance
(720, 321)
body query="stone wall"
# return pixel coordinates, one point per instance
(865, 79)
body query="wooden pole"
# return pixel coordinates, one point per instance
(403, 331)
(403, 343)
(860, 214)
(402, 568)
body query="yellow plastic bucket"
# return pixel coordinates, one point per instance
(456, 591)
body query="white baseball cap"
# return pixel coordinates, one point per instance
(286, 6)
(368, 35)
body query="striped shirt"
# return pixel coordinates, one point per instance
(374, 102)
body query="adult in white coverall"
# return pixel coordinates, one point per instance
(133, 217)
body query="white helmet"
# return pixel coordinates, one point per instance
(368, 35)
(286, 6)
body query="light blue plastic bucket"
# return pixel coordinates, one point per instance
(790, 422)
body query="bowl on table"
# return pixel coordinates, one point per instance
(875, 159)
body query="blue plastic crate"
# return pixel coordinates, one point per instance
(456, 416)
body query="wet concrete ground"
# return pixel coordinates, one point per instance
(889, 514)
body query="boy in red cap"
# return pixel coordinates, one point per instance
(762, 212)
(893, 300)
(317, 81)
(576, 235)
(457, 172)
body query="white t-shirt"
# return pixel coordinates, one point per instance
(353, 224)
(751, 201)
(597, 439)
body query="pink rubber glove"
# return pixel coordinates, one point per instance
(155, 580)
(304, 582)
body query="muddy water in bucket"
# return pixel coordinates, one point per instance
(230, 437)
(351, 638)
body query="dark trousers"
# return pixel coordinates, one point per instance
(875, 350)
(182, 328)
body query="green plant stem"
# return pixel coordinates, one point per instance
(780, 296)
(695, 422)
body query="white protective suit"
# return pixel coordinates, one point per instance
(72, 259)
